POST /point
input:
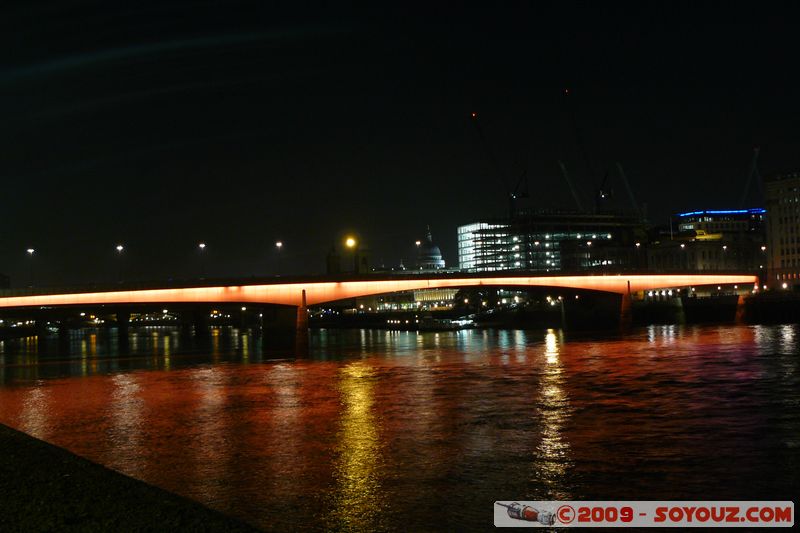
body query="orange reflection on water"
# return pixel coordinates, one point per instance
(397, 426)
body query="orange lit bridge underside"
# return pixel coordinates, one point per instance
(328, 291)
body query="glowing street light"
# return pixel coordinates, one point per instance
(350, 242)
(279, 245)
(418, 243)
(119, 249)
(202, 247)
(30, 265)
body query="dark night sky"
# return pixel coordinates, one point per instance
(162, 126)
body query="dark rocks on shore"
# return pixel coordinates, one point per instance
(46, 488)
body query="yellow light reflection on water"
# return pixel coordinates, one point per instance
(358, 500)
(215, 345)
(167, 351)
(553, 452)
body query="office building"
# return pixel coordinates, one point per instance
(711, 240)
(782, 198)
(553, 241)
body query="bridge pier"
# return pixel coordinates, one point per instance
(741, 309)
(123, 322)
(626, 309)
(301, 327)
(63, 338)
(40, 327)
(284, 330)
(200, 322)
(278, 328)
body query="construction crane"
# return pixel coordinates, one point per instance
(520, 189)
(753, 172)
(572, 189)
(602, 194)
(634, 205)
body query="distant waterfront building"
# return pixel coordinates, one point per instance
(552, 241)
(429, 256)
(782, 197)
(712, 240)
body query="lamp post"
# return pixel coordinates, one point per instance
(202, 248)
(30, 265)
(119, 249)
(350, 243)
(684, 258)
(279, 258)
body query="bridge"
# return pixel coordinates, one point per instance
(286, 300)
(314, 291)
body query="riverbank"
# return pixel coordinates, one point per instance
(46, 488)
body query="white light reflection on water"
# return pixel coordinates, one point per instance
(125, 414)
(34, 417)
(552, 460)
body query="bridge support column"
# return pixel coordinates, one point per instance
(301, 327)
(123, 316)
(740, 310)
(279, 330)
(200, 322)
(41, 327)
(123, 322)
(626, 309)
(63, 337)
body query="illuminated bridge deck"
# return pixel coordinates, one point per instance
(321, 290)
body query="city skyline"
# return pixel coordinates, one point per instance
(161, 134)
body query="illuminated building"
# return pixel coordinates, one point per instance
(782, 197)
(712, 240)
(552, 241)
(429, 256)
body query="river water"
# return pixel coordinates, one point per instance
(382, 430)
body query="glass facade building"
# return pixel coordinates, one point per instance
(552, 241)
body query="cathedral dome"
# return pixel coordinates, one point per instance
(429, 256)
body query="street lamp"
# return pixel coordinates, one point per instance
(119, 249)
(278, 258)
(350, 242)
(30, 265)
(202, 248)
